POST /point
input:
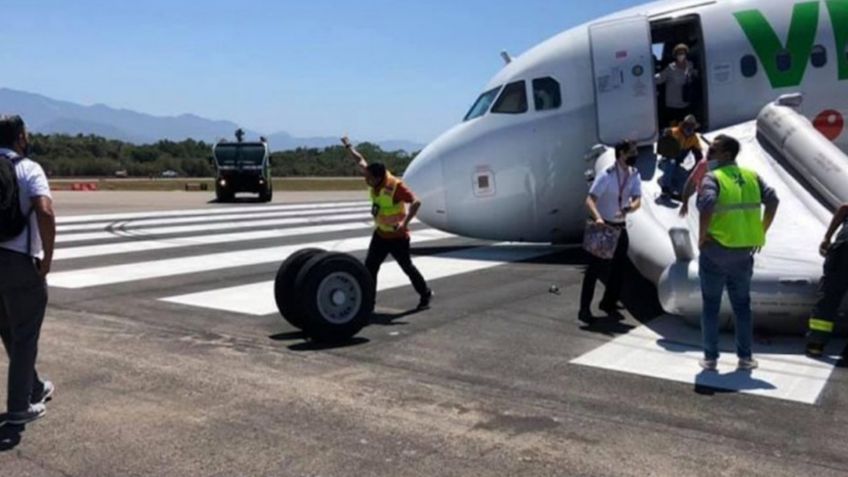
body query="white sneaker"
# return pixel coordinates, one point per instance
(35, 411)
(747, 364)
(46, 393)
(709, 364)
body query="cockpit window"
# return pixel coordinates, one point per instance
(546, 94)
(513, 99)
(481, 106)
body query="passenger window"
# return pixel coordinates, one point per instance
(784, 61)
(513, 99)
(749, 66)
(819, 56)
(546, 94)
(481, 106)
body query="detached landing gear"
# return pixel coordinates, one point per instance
(330, 296)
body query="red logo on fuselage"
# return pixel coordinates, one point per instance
(830, 123)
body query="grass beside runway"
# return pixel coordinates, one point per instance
(280, 184)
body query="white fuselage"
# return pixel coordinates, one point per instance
(522, 177)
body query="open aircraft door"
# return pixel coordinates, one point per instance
(623, 69)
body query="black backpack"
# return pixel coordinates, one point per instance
(13, 221)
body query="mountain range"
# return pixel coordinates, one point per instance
(51, 116)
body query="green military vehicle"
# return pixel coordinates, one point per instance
(242, 167)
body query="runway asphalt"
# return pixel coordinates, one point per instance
(168, 362)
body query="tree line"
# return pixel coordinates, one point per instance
(94, 156)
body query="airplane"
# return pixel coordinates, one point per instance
(516, 167)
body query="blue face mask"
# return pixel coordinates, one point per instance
(688, 131)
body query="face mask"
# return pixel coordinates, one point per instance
(630, 161)
(681, 58)
(688, 131)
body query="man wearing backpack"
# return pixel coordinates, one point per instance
(27, 236)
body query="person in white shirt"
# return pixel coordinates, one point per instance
(25, 260)
(677, 77)
(615, 193)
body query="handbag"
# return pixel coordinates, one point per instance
(601, 240)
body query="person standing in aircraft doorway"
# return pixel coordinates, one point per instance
(678, 78)
(833, 286)
(732, 229)
(616, 192)
(389, 199)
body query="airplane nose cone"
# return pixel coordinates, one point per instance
(425, 177)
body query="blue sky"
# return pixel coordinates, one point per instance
(378, 69)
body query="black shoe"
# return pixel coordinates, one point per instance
(424, 303)
(586, 317)
(815, 350)
(608, 307)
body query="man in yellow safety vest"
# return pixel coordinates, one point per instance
(732, 229)
(389, 200)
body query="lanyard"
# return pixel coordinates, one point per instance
(621, 185)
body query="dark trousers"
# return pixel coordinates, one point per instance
(398, 248)
(23, 302)
(612, 269)
(832, 289)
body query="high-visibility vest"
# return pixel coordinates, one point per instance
(387, 214)
(737, 220)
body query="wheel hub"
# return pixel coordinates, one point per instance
(339, 297)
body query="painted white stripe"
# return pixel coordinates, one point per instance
(257, 214)
(130, 272)
(218, 226)
(181, 242)
(258, 298)
(668, 349)
(75, 219)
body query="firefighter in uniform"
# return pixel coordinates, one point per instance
(389, 200)
(833, 286)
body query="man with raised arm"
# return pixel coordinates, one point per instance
(393, 206)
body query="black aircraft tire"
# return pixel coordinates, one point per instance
(336, 296)
(285, 292)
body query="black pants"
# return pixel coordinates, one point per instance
(612, 269)
(381, 248)
(832, 289)
(23, 302)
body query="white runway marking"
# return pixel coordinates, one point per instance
(130, 272)
(218, 226)
(133, 246)
(75, 219)
(150, 223)
(258, 298)
(668, 349)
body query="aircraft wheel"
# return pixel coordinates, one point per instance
(285, 293)
(336, 295)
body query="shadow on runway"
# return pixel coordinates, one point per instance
(290, 336)
(608, 326)
(709, 383)
(10, 436)
(326, 346)
(391, 319)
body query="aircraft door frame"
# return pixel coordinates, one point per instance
(623, 77)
